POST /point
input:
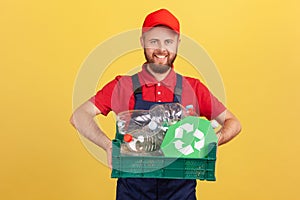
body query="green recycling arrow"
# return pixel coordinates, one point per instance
(189, 138)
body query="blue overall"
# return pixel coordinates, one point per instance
(152, 188)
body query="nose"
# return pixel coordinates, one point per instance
(162, 46)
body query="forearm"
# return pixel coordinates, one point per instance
(85, 124)
(230, 127)
(229, 130)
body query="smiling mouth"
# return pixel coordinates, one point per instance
(160, 56)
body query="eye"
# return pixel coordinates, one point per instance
(168, 42)
(153, 41)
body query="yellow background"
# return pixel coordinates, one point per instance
(255, 45)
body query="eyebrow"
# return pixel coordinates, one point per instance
(159, 39)
(153, 39)
(170, 39)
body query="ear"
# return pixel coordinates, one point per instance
(142, 41)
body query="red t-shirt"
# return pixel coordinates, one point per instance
(118, 94)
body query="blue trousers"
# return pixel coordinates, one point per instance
(155, 189)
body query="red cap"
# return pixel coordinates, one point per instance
(161, 17)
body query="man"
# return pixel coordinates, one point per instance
(157, 83)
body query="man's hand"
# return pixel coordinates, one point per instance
(231, 127)
(83, 120)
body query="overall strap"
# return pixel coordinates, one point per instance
(137, 89)
(178, 88)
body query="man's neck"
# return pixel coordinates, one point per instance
(158, 76)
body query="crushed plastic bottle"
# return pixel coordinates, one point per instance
(143, 130)
(170, 113)
(141, 142)
(174, 112)
(132, 120)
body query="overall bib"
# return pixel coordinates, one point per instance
(155, 188)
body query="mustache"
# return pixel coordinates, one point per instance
(171, 59)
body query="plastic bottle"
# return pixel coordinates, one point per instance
(157, 114)
(170, 113)
(145, 130)
(141, 142)
(190, 110)
(132, 120)
(175, 112)
(214, 124)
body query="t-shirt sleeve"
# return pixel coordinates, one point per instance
(102, 99)
(209, 106)
(114, 96)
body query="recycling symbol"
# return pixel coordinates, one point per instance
(188, 129)
(188, 138)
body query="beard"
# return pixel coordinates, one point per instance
(158, 67)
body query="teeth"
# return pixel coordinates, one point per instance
(160, 56)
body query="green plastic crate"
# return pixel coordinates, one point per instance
(125, 166)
